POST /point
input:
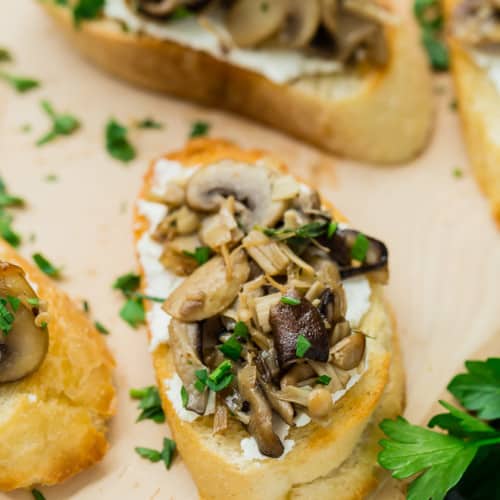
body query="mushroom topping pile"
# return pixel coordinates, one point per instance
(477, 23)
(260, 318)
(345, 30)
(23, 337)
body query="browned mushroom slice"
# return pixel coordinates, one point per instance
(329, 12)
(250, 22)
(163, 8)
(289, 321)
(250, 185)
(23, 344)
(301, 23)
(185, 341)
(348, 353)
(261, 416)
(207, 292)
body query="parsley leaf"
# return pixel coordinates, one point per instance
(360, 248)
(19, 83)
(46, 266)
(149, 404)
(62, 124)
(117, 143)
(166, 455)
(231, 348)
(5, 55)
(199, 129)
(149, 123)
(127, 283)
(133, 312)
(6, 231)
(151, 455)
(6, 318)
(324, 379)
(307, 231)
(200, 255)
(303, 345)
(219, 379)
(184, 397)
(479, 388)
(289, 301)
(37, 495)
(180, 12)
(101, 328)
(86, 10)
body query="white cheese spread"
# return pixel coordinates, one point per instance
(490, 63)
(278, 65)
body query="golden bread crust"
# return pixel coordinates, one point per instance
(215, 460)
(53, 423)
(380, 116)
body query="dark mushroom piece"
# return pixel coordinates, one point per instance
(332, 305)
(290, 321)
(185, 341)
(261, 415)
(211, 329)
(341, 244)
(24, 347)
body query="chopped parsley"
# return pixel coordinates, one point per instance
(149, 123)
(46, 266)
(332, 229)
(117, 143)
(201, 255)
(25, 128)
(240, 329)
(86, 306)
(37, 495)
(33, 301)
(307, 231)
(458, 173)
(184, 397)
(127, 283)
(101, 328)
(51, 178)
(429, 15)
(231, 348)
(166, 454)
(86, 10)
(199, 129)
(360, 248)
(20, 84)
(62, 124)
(149, 404)
(6, 317)
(303, 345)
(289, 301)
(6, 231)
(216, 381)
(5, 55)
(324, 379)
(133, 312)
(14, 302)
(439, 463)
(180, 12)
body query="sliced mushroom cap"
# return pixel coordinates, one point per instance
(207, 292)
(261, 416)
(301, 23)
(348, 353)
(250, 22)
(24, 347)
(341, 244)
(290, 321)
(329, 11)
(185, 341)
(250, 185)
(162, 8)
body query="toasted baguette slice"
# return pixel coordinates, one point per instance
(53, 423)
(338, 461)
(479, 108)
(379, 116)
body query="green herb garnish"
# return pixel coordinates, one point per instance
(149, 123)
(332, 229)
(51, 178)
(180, 12)
(200, 255)
(117, 143)
(25, 128)
(324, 379)
(231, 348)
(149, 404)
(166, 455)
(184, 397)
(219, 379)
(46, 266)
(199, 129)
(127, 283)
(6, 317)
(360, 248)
(240, 330)
(290, 301)
(62, 124)
(5, 55)
(37, 495)
(6, 231)
(86, 10)
(86, 306)
(307, 231)
(303, 345)
(101, 328)
(133, 312)
(441, 463)
(458, 173)
(19, 83)
(14, 302)
(34, 301)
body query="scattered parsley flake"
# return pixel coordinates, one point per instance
(149, 404)
(51, 178)
(332, 229)
(62, 124)
(6, 231)
(184, 397)
(5, 55)
(324, 379)
(231, 348)
(199, 129)
(151, 455)
(303, 345)
(201, 255)
(458, 173)
(166, 455)
(240, 329)
(46, 266)
(117, 143)
(289, 301)
(25, 128)
(180, 12)
(133, 312)
(360, 248)
(101, 328)
(127, 283)
(14, 302)
(86, 306)
(37, 495)
(19, 83)
(6, 317)
(86, 10)
(149, 123)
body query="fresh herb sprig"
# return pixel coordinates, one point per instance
(20, 84)
(166, 454)
(86, 10)
(8, 201)
(442, 462)
(46, 266)
(62, 124)
(216, 381)
(201, 254)
(149, 123)
(429, 14)
(199, 129)
(149, 404)
(117, 143)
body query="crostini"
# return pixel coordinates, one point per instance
(348, 76)
(275, 352)
(56, 392)
(474, 29)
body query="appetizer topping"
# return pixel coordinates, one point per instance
(477, 23)
(23, 339)
(261, 319)
(345, 30)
